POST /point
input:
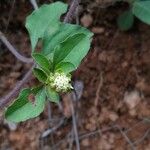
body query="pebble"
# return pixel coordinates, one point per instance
(86, 20)
(113, 116)
(98, 30)
(85, 142)
(132, 99)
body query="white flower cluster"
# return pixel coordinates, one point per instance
(60, 82)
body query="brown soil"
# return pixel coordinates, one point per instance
(116, 77)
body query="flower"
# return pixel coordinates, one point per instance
(60, 81)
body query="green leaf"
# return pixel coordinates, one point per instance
(141, 9)
(40, 75)
(125, 20)
(36, 89)
(22, 109)
(42, 18)
(52, 95)
(79, 52)
(42, 61)
(64, 31)
(66, 67)
(66, 47)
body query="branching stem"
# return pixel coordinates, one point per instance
(13, 50)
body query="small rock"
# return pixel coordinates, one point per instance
(90, 127)
(98, 30)
(133, 112)
(132, 99)
(92, 120)
(103, 56)
(113, 116)
(85, 142)
(124, 64)
(86, 20)
(111, 138)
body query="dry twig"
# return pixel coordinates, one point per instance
(51, 130)
(13, 50)
(8, 98)
(126, 137)
(70, 139)
(71, 13)
(10, 15)
(34, 4)
(98, 90)
(75, 126)
(143, 137)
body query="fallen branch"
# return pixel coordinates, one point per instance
(51, 130)
(98, 90)
(126, 138)
(13, 50)
(74, 122)
(72, 10)
(83, 136)
(9, 97)
(10, 15)
(146, 134)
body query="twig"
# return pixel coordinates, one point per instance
(10, 15)
(98, 90)
(83, 136)
(86, 135)
(126, 137)
(8, 98)
(49, 121)
(61, 141)
(71, 12)
(105, 130)
(137, 124)
(75, 126)
(99, 131)
(71, 139)
(143, 137)
(51, 130)
(13, 50)
(60, 106)
(146, 119)
(34, 4)
(77, 16)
